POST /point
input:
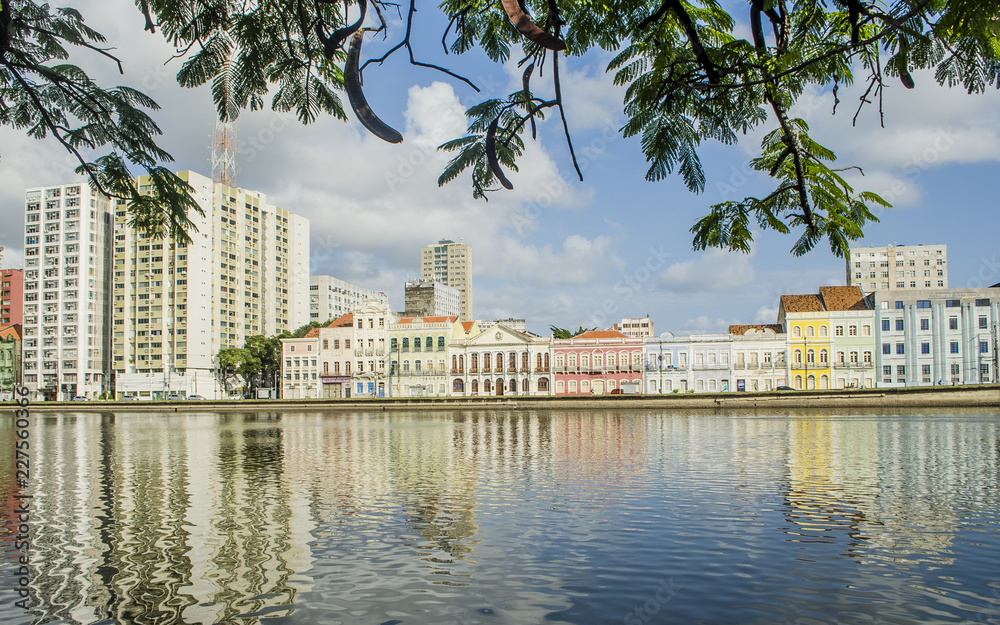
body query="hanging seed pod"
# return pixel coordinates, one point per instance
(529, 29)
(339, 36)
(525, 79)
(491, 154)
(352, 84)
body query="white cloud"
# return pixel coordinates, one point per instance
(714, 270)
(766, 314)
(703, 324)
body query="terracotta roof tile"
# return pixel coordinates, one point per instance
(740, 330)
(428, 319)
(601, 334)
(468, 326)
(843, 298)
(343, 320)
(311, 334)
(9, 330)
(802, 303)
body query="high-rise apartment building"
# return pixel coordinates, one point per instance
(67, 291)
(11, 296)
(898, 267)
(330, 298)
(244, 272)
(450, 263)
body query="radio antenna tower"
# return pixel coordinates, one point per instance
(224, 153)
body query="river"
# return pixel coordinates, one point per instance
(505, 517)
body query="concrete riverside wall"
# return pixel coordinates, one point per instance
(981, 396)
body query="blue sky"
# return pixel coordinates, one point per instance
(557, 251)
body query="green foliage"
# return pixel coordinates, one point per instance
(562, 333)
(690, 70)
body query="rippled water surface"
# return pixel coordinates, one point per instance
(505, 517)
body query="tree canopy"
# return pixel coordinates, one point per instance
(562, 333)
(689, 73)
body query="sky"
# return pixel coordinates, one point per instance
(555, 251)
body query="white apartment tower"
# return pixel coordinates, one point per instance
(450, 263)
(898, 267)
(330, 297)
(245, 272)
(67, 232)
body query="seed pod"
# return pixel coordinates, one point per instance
(525, 79)
(906, 79)
(529, 29)
(352, 85)
(491, 154)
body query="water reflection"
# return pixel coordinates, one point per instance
(507, 517)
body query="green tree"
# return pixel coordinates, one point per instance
(689, 77)
(231, 365)
(263, 363)
(561, 333)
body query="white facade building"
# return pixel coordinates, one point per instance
(450, 263)
(758, 357)
(244, 273)
(898, 267)
(499, 360)
(937, 336)
(330, 297)
(66, 291)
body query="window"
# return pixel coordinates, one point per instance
(886, 348)
(956, 369)
(983, 323)
(952, 323)
(885, 325)
(984, 347)
(925, 348)
(953, 347)
(839, 331)
(866, 330)
(983, 302)
(900, 348)
(899, 325)
(925, 324)
(898, 303)
(887, 370)
(901, 370)
(952, 303)
(868, 358)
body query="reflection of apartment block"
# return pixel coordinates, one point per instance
(330, 297)
(450, 263)
(937, 336)
(66, 290)
(898, 267)
(244, 272)
(11, 295)
(432, 299)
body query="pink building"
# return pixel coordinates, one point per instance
(598, 362)
(11, 296)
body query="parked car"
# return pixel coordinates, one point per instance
(195, 397)
(80, 398)
(615, 391)
(129, 398)
(784, 388)
(173, 397)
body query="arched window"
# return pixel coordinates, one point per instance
(513, 385)
(499, 362)
(546, 366)
(571, 360)
(512, 361)
(486, 361)
(797, 356)
(797, 332)
(797, 383)
(560, 387)
(454, 362)
(823, 331)
(475, 386)
(392, 344)
(441, 343)
(811, 382)
(461, 363)
(429, 343)
(824, 382)
(487, 387)
(406, 344)
(524, 361)
(823, 357)
(810, 356)
(810, 332)
(458, 386)
(572, 386)
(416, 343)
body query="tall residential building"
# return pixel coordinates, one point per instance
(898, 267)
(330, 298)
(67, 291)
(431, 299)
(245, 272)
(11, 296)
(450, 263)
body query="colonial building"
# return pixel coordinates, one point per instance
(937, 336)
(500, 360)
(336, 357)
(710, 370)
(758, 357)
(666, 368)
(419, 358)
(300, 367)
(597, 362)
(10, 359)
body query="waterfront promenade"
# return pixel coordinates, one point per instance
(983, 396)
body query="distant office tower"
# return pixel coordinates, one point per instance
(450, 263)
(67, 291)
(245, 272)
(330, 298)
(898, 267)
(431, 299)
(635, 326)
(11, 296)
